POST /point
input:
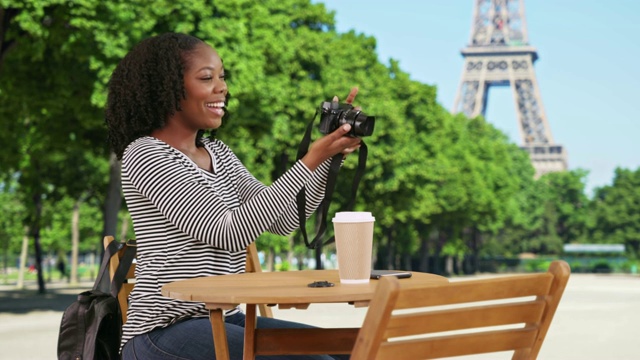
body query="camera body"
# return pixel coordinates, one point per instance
(334, 115)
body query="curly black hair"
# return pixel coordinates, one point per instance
(146, 88)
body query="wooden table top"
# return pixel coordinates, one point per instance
(287, 288)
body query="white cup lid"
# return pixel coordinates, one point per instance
(353, 216)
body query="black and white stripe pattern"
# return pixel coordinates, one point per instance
(191, 223)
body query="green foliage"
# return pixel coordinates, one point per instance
(616, 212)
(536, 265)
(57, 234)
(13, 212)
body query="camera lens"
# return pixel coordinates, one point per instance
(361, 124)
(364, 124)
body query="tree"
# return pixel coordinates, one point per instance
(42, 50)
(616, 211)
(567, 191)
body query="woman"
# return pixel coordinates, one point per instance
(194, 206)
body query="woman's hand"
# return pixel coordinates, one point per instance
(350, 98)
(333, 143)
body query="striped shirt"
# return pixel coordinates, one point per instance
(190, 222)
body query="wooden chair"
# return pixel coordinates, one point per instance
(505, 313)
(252, 265)
(129, 280)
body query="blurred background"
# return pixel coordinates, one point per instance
(451, 194)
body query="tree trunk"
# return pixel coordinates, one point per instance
(75, 242)
(300, 258)
(475, 247)
(441, 239)
(113, 200)
(49, 266)
(7, 16)
(112, 205)
(406, 260)
(124, 228)
(290, 254)
(424, 254)
(374, 254)
(270, 259)
(448, 266)
(459, 264)
(37, 200)
(24, 252)
(5, 256)
(390, 250)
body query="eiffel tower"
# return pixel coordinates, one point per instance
(499, 54)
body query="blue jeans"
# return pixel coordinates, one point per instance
(193, 339)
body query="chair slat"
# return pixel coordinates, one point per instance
(476, 290)
(456, 319)
(459, 345)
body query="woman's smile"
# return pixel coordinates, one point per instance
(216, 107)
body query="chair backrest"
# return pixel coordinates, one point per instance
(252, 265)
(504, 313)
(129, 279)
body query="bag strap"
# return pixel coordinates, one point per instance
(81, 332)
(110, 251)
(123, 267)
(324, 205)
(334, 168)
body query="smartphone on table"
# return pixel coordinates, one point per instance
(377, 274)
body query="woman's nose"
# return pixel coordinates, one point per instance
(221, 87)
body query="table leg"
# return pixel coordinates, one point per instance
(220, 343)
(250, 323)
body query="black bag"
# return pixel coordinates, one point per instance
(91, 327)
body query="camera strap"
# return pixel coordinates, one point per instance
(323, 210)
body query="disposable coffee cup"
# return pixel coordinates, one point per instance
(353, 232)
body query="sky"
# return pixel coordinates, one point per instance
(588, 68)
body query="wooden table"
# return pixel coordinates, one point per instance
(287, 290)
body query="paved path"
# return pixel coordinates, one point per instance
(598, 318)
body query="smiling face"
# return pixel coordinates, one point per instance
(205, 90)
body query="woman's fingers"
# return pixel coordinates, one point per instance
(329, 145)
(339, 141)
(352, 95)
(349, 150)
(342, 131)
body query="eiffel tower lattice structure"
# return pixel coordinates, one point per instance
(499, 54)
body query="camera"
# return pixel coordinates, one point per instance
(333, 115)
